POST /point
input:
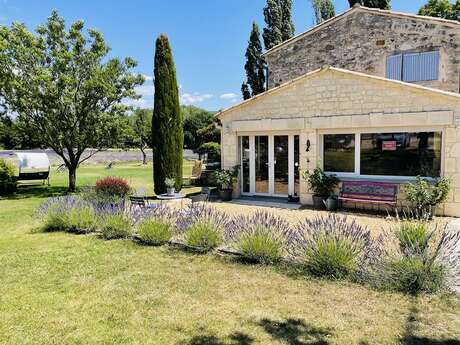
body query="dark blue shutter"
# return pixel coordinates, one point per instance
(394, 67)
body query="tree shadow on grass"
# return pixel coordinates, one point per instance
(295, 332)
(411, 328)
(36, 191)
(236, 338)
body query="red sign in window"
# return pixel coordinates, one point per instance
(389, 145)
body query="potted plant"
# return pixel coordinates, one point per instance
(321, 184)
(226, 179)
(170, 182)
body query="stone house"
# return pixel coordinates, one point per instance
(369, 95)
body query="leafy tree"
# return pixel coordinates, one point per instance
(64, 88)
(324, 10)
(287, 26)
(442, 9)
(245, 91)
(272, 33)
(195, 119)
(141, 123)
(254, 62)
(382, 4)
(167, 131)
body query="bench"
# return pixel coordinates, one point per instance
(369, 192)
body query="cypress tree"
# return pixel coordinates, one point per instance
(287, 26)
(382, 4)
(273, 16)
(254, 62)
(167, 130)
(324, 10)
(245, 91)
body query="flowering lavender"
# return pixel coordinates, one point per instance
(333, 246)
(244, 224)
(448, 255)
(194, 213)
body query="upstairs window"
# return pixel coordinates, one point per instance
(413, 67)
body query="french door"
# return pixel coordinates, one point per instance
(269, 165)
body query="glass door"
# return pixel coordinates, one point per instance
(261, 156)
(281, 164)
(269, 165)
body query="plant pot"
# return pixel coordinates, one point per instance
(225, 194)
(318, 202)
(331, 203)
(170, 191)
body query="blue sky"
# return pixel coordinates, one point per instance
(208, 37)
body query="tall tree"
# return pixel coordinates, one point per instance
(442, 9)
(324, 10)
(245, 91)
(254, 62)
(63, 87)
(196, 119)
(167, 130)
(273, 15)
(382, 4)
(287, 26)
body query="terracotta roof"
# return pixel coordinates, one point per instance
(343, 71)
(358, 8)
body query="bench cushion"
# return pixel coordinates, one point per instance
(380, 192)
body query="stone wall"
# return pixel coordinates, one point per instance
(332, 100)
(362, 40)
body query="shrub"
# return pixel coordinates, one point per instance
(332, 257)
(112, 187)
(334, 248)
(8, 179)
(155, 231)
(413, 275)
(115, 225)
(67, 213)
(413, 237)
(320, 183)
(204, 236)
(80, 220)
(425, 196)
(261, 244)
(260, 237)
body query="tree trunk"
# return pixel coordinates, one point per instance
(144, 155)
(72, 178)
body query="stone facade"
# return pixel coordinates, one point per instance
(332, 100)
(361, 39)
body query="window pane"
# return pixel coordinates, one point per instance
(401, 154)
(245, 163)
(339, 153)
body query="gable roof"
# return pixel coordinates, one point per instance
(328, 69)
(359, 8)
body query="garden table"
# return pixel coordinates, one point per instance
(170, 197)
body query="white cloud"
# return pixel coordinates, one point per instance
(229, 96)
(148, 78)
(192, 98)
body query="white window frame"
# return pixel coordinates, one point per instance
(357, 133)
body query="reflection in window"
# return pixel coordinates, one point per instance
(245, 163)
(401, 154)
(339, 153)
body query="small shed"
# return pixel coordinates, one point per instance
(33, 166)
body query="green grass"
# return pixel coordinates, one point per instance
(58, 288)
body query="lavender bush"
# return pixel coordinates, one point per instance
(155, 226)
(334, 247)
(67, 213)
(261, 237)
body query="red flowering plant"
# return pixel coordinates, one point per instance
(111, 186)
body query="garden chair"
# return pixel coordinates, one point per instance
(202, 197)
(139, 201)
(196, 171)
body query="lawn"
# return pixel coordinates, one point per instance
(58, 288)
